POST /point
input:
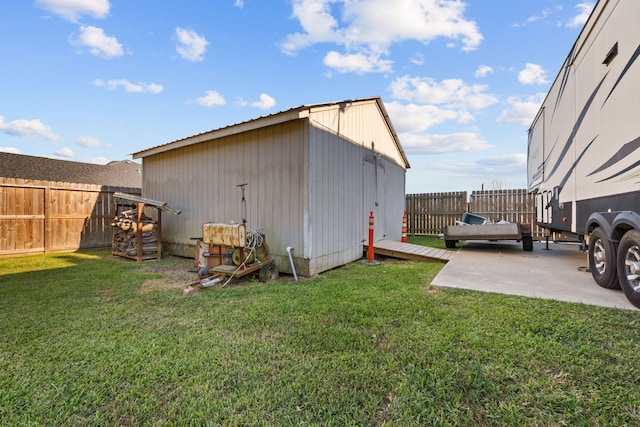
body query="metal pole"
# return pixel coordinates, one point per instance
(243, 203)
(370, 251)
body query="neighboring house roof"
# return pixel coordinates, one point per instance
(269, 120)
(125, 173)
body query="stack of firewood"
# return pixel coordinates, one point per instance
(125, 236)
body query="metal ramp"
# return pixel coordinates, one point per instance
(410, 251)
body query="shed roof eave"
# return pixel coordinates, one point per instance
(250, 125)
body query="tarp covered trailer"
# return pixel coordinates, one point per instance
(508, 231)
(584, 147)
(476, 227)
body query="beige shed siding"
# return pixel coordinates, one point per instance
(311, 184)
(335, 201)
(202, 180)
(395, 200)
(362, 123)
(339, 182)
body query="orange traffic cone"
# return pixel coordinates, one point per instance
(404, 228)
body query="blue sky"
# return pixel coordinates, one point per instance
(96, 80)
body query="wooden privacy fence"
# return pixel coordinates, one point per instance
(428, 214)
(43, 216)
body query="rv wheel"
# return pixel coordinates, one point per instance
(602, 260)
(629, 266)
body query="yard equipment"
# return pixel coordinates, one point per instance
(231, 250)
(239, 252)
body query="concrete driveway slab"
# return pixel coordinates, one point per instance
(558, 273)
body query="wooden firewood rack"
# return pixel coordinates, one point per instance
(123, 200)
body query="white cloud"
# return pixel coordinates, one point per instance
(483, 71)
(521, 111)
(28, 129)
(439, 144)
(65, 152)
(13, 150)
(265, 102)
(88, 141)
(504, 162)
(542, 16)
(418, 59)
(411, 118)
(71, 10)
(98, 42)
(96, 160)
(532, 74)
(452, 93)
(584, 10)
(239, 3)
(210, 99)
(358, 63)
(498, 166)
(130, 87)
(367, 28)
(191, 46)
(317, 22)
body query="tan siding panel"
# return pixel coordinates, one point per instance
(269, 160)
(361, 123)
(305, 184)
(335, 201)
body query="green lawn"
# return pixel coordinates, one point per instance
(431, 241)
(89, 339)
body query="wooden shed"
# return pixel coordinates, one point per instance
(313, 173)
(49, 205)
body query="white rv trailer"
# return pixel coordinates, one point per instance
(584, 146)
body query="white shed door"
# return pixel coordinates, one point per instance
(373, 183)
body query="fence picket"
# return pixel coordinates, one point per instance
(43, 216)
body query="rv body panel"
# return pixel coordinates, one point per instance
(584, 147)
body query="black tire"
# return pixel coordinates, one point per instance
(450, 244)
(602, 260)
(629, 266)
(268, 273)
(527, 243)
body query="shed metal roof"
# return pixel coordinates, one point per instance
(296, 113)
(125, 173)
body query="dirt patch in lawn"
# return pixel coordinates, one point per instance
(176, 273)
(433, 290)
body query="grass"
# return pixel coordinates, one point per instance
(89, 339)
(432, 241)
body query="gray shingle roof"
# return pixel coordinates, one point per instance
(124, 173)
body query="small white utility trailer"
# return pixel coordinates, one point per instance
(507, 231)
(584, 147)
